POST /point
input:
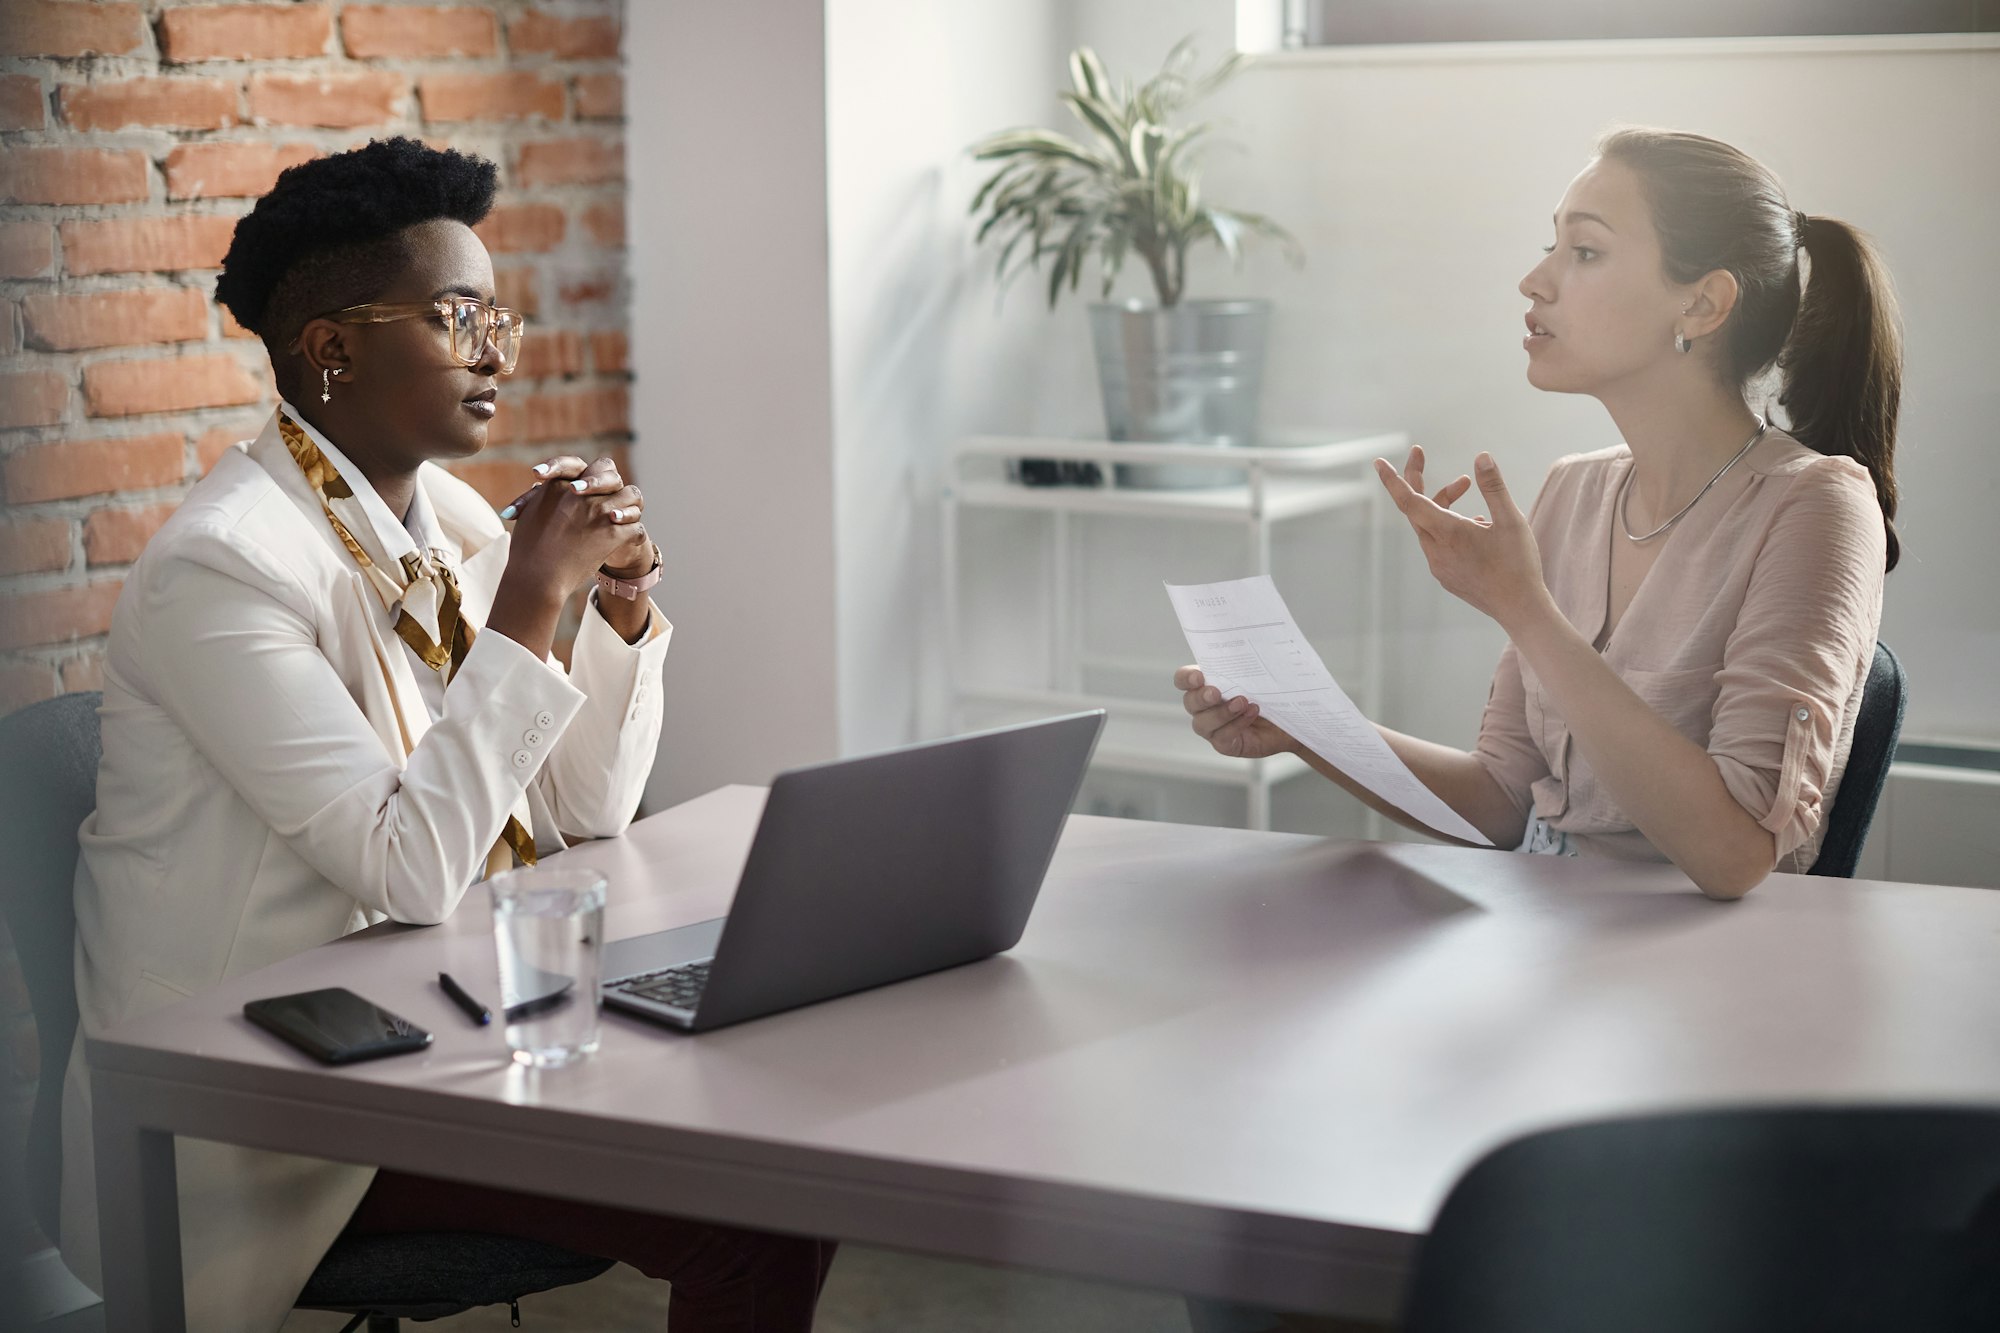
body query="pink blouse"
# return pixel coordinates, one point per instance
(1752, 635)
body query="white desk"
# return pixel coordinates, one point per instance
(1242, 1064)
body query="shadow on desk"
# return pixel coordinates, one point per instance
(1115, 966)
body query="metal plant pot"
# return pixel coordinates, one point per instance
(1189, 374)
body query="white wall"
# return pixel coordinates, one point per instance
(1421, 187)
(922, 352)
(732, 402)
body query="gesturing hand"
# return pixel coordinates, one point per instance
(1232, 726)
(1492, 563)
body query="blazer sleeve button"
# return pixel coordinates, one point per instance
(522, 759)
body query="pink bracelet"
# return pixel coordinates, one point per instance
(629, 589)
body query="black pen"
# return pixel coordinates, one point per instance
(474, 1010)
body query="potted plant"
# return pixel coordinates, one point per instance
(1171, 370)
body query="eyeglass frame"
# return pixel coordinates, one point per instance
(374, 312)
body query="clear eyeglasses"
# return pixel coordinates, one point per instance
(472, 322)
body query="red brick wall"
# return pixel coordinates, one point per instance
(132, 135)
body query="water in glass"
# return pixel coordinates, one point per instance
(548, 925)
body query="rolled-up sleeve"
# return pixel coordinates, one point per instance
(1803, 642)
(1506, 749)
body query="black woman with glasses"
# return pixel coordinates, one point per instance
(329, 700)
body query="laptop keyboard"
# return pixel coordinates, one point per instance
(679, 987)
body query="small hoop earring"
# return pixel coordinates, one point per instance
(326, 385)
(1681, 344)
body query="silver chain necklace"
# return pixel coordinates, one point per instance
(1625, 488)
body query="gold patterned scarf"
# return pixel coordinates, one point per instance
(425, 600)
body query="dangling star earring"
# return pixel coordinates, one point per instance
(326, 385)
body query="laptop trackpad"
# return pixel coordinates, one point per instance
(662, 949)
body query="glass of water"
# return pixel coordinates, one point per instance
(548, 924)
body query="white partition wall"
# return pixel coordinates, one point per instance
(811, 329)
(731, 405)
(923, 352)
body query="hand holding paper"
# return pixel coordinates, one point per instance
(1246, 643)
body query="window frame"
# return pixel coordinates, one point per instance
(1312, 24)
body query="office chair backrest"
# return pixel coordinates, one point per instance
(1772, 1220)
(48, 785)
(1876, 728)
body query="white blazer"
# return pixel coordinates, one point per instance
(254, 801)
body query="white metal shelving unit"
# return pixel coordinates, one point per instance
(1316, 475)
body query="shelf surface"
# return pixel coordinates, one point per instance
(1291, 451)
(1283, 497)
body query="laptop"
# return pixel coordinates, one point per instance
(869, 871)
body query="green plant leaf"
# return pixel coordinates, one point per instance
(1148, 142)
(1227, 229)
(1179, 144)
(1111, 259)
(1086, 73)
(1029, 187)
(1223, 72)
(1019, 195)
(1102, 119)
(997, 219)
(1130, 186)
(992, 183)
(1000, 271)
(1056, 273)
(1271, 231)
(1069, 257)
(1043, 143)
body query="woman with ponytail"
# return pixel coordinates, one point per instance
(1692, 613)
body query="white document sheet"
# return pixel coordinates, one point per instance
(1246, 642)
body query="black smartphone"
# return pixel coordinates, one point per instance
(336, 1026)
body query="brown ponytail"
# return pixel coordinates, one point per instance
(1830, 328)
(1842, 368)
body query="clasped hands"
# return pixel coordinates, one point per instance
(581, 517)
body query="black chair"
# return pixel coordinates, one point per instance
(432, 1275)
(1772, 1220)
(1876, 728)
(48, 784)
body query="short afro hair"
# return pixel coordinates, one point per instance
(327, 236)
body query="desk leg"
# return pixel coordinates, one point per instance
(138, 1217)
